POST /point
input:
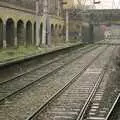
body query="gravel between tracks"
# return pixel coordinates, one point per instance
(68, 105)
(18, 83)
(25, 103)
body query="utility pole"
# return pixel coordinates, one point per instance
(67, 26)
(37, 24)
(58, 8)
(45, 15)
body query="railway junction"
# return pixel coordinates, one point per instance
(59, 60)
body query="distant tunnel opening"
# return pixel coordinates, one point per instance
(10, 33)
(20, 33)
(29, 33)
(1, 33)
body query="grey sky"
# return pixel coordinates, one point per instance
(106, 4)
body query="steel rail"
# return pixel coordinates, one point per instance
(46, 75)
(58, 93)
(91, 96)
(37, 68)
(94, 90)
(112, 108)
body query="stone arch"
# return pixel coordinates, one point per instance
(10, 32)
(60, 32)
(56, 26)
(52, 29)
(63, 29)
(41, 30)
(1, 33)
(20, 32)
(34, 33)
(63, 32)
(28, 33)
(59, 27)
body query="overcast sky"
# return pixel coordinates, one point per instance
(106, 4)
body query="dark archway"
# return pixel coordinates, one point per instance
(52, 33)
(28, 33)
(60, 31)
(20, 32)
(52, 29)
(64, 30)
(10, 35)
(56, 27)
(1, 33)
(41, 30)
(35, 33)
(59, 27)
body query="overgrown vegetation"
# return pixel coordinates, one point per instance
(22, 51)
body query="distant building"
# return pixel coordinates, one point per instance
(54, 6)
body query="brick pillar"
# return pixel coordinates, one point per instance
(25, 43)
(4, 36)
(33, 34)
(15, 35)
(49, 31)
(37, 24)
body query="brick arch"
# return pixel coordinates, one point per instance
(56, 26)
(41, 30)
(60, 27)
(52, 29)
(10, 32)
(28, 32)
(34, 33)
(1, 33)
(20, 32)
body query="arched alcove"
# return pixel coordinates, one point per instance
(20, 32)
(28, 33)
(10, 35)
(1, 33)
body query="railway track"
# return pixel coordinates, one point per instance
(46, 63)
(20, 82)
(114, 112)
(92, 111)
(18, 67)
(71, 101)
(97, 110)
(35, 95)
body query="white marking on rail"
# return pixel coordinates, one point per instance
(96, 118)
(92, 113)
(95, 107)
(93, 71)
(93, 110)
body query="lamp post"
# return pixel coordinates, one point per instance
(67, 22)
(45, 15)
(37, 24)
(67, 26)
